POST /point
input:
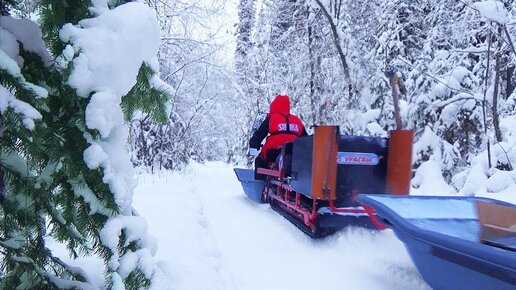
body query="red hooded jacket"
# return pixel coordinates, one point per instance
(280, 125)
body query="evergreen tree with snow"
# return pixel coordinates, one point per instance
(64, 90)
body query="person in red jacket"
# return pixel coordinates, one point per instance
(279, 127)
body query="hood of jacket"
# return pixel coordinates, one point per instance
(281, 105)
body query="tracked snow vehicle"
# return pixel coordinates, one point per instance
(315, 179)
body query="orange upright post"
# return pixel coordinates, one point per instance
(324, 163)
(399, 162)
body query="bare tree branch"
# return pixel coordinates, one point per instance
(336, 40)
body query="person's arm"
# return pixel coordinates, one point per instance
(259, 134)
(304, 133)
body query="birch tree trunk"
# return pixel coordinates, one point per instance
(496, 117)
(336, 40)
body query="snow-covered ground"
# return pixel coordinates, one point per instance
(211, 237)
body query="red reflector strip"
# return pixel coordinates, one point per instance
(271, 172)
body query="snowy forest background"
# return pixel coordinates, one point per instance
(220, 63)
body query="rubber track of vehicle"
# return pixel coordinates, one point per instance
(315, 235)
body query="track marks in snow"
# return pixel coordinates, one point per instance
(187, 253)
(212, 237)
(265, 251)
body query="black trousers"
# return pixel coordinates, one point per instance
(260, 163)
(272, 155)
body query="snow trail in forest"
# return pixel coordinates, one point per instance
(212, 237)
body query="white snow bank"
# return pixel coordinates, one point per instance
(492, 10)
(429, 180)
(480, 180)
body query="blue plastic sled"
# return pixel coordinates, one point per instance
(441, 235)
(252, 188)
